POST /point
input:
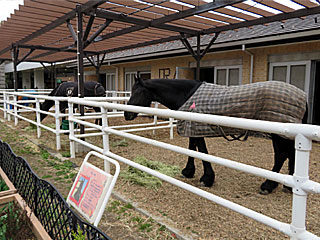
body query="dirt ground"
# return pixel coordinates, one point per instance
(193, 216)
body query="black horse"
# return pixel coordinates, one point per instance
(70, 89)
(173, 94)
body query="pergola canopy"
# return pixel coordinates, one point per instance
(45, 30)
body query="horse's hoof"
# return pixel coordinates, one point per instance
(267, 187)
(264, 192)
(207, 180)
(286, 189)
(187, 173)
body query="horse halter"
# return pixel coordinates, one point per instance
(70, 91)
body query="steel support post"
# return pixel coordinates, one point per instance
(303, 147)
(14, 55)
(80, 56)
(198, 55)
(198, 58)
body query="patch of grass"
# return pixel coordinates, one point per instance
(27, 150)
(145, 227)
(46, 176)
(44, 154)
(3, 185)
(66, 154)
(121, 143)
(50, 125)
(138, 177)
(31, 127)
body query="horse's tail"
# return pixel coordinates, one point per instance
(305, 116)
(99, 90)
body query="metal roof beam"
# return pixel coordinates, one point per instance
(100, 30)
(148, 43)
(194, 11)
(88, 28)
(70, 15)
(62, 49)
(71, 29)
(27, 55)
(279, 17)
(159, 23)
(141, 22)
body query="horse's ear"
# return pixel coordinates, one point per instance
(137, 79)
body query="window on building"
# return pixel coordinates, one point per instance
(129, 78)
(295, 73)
(110, 82)
(144, 75)
(229, 75)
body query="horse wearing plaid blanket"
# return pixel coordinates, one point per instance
(270, 101)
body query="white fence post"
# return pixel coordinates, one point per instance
(15, 101)
(155, 118)
(105, 137)
(5, 106)
(171, 128)
(9, 110)
(303, 147)
(38, 117)
(114, 94)
(57, 118)
(71, 131)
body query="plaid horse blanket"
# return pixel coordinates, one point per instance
(271, 101)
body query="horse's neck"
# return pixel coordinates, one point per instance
(46, 105)
(173, 93)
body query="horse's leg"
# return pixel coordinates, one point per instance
(281, 147)
(208, 173)
(63, 106)
(189, 170)
(98, 121)
(291, 156)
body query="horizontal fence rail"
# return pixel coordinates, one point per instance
(300, 183)
(58, 219)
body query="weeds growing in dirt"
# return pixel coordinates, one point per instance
(136, 176)
(14, 223)
(3, 185)
(140, 223)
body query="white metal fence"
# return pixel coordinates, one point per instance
(13, 104)
(300, 183)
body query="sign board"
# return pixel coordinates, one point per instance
(92, 188)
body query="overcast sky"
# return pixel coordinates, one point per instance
(7, 7)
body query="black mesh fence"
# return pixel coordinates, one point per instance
(46, 202)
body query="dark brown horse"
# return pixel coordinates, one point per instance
(70, 89)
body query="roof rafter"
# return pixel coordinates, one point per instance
(70, 15)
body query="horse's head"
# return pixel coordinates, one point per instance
(140, 96)
(45, 106)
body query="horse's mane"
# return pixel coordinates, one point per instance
(173, 92)
(53, 92)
